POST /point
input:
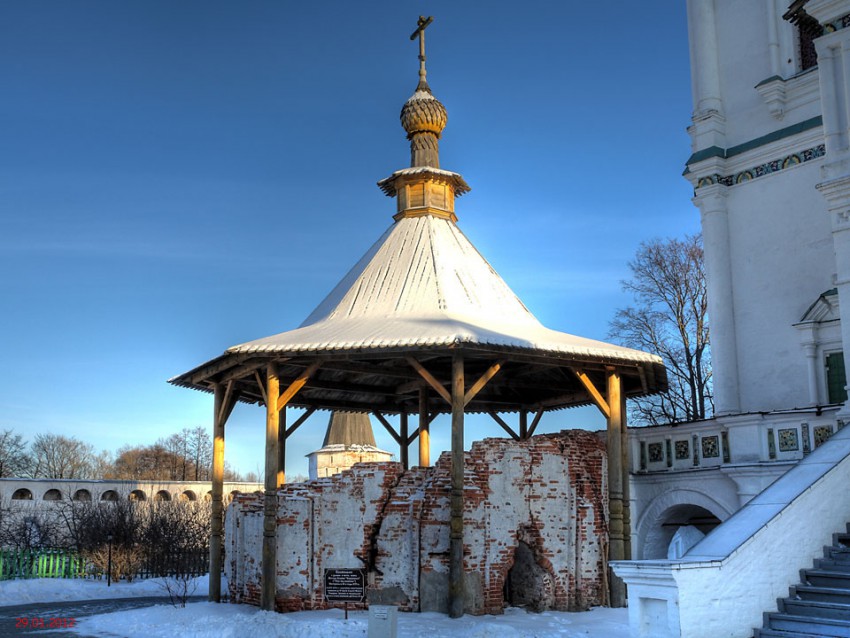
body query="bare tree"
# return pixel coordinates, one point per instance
(13, 456)
(670, 318)
(61, 457)
(200, 451)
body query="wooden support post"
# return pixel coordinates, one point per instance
(269, 567)
(281, 449)
(403, 445)
(616, 544)
(217, 522)
(456, 575)
(627, 492)
(523, 425)
(424, 429)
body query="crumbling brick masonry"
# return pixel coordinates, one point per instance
(535, 530)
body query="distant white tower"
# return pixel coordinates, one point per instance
(348, 440)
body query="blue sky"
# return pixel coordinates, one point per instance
(180, 177)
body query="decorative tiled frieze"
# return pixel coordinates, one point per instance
(788, 440)
(822, 433)
(683, 451)
(710, 447)
(764, 169)
(656, 452)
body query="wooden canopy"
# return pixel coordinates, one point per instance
(423, 325)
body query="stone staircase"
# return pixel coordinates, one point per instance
(820, 605)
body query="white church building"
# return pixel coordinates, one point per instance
(770, 168)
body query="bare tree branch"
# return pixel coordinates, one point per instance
(670, 318)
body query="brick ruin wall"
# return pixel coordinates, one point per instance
(535, 530)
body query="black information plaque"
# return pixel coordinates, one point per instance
(345, 585)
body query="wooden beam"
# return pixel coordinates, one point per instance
(627, 515)
(457, 593)
(504, 425)
(262, 387)
(269, 555)
(534, 422)
(597, 397)
(281, 449)
(616, 542)
(297, 384)
(409, 386)
(299, 421)
(643, 383)
(438, 387)
(228, 392)
(351, 388)
(523, 424)
(241, 371)
(491, 372)
(403, 435)
(424, 429)
(389, 428)
(364, 368)
(214, 368)
(412, 437)
(568, 398)
(217, 518)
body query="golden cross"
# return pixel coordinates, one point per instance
(420, 31)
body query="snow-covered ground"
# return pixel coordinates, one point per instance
(209, 620)
(49, 590)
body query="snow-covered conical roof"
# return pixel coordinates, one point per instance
(423, 283)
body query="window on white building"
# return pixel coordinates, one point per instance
(836, 378)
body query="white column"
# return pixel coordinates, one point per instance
(711, 201)
(773, 38)
(831, 102)
(704, 63)
(811, 350)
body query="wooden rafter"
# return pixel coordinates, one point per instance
(491, 372)
(409, 386)
(534, 422)
(413, 436)
(231, 397)
(241, 371)
(597, 397)
(436, 385)
(644, 386)
(296, 385)
(261, 386)
(364, 368)
(212, 369)
(507, 428)
(389, 428)
(350, 388)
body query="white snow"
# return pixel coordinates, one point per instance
(48, 590)
(210, 620)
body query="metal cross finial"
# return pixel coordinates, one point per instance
(420, 31)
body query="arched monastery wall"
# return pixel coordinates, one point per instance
(43, 491)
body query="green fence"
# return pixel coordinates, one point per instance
(42, 563)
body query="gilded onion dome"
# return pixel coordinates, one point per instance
(423, 113)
